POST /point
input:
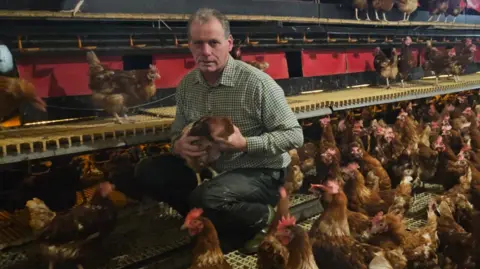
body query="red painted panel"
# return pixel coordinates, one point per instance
(323, 62)
(278, 68)
(359, 60)
(172, 68)
(476, 57)
(56, 76)
(415, 53)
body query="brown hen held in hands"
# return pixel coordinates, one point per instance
(14, 92)
(208, 129)
(116, 90)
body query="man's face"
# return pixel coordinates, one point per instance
(208, 45)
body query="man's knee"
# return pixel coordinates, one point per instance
(208, 197)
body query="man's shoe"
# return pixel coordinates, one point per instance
(251, 246)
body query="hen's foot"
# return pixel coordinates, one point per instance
(368, 17)
(76, 9)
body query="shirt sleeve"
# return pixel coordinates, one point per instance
(180, 121)
(283, 132)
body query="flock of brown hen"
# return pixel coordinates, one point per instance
(438, 62)
(367, 174)
(407, 7)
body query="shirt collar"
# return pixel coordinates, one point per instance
(227, 78)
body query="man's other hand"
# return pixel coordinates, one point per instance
(235, 142)
(185, 147)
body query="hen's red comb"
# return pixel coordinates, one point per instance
(286, 222)
(377, 217)
(353, 165)
(193, 214)
(325, 120)
(466, 148)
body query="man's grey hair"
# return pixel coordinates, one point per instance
(204, 15)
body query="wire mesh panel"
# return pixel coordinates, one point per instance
(143, 232)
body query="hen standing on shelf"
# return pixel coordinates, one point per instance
(455, 8)
(407, 7)
(437, 7)
(384, 6)
(405, 61)
(361, 5)
(116, 90)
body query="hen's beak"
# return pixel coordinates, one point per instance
(184, 227)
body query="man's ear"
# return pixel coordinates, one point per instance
(230, 42)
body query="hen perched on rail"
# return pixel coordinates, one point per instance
(116, 90)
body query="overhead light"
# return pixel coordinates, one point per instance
(433, 77)
(310, 92)
(57, 121)
(358, 86)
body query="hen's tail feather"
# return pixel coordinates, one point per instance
(92, 58)
(21, 88)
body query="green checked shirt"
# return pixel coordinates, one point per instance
(256, 105)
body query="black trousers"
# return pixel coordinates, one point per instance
(237, 198)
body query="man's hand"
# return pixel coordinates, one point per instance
(184, 147)
(235, 142)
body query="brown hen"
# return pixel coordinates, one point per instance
(117, 90)
(14, 92)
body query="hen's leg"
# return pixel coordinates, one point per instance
(436, 80)
(117, 118)
(388, 83)
(454, 19)
(368, 16)
(356, 14)
(408, 17)
(384, 16)
(76, 9)
(128, 119)
(199, 179)
(446, 18)
(51, 265)
(376, 15)
(431, 17)
(405, 16)
(439, 15)
(403, 84)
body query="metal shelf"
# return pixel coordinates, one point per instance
(21, 144)
(21, 14)
(49, 141)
